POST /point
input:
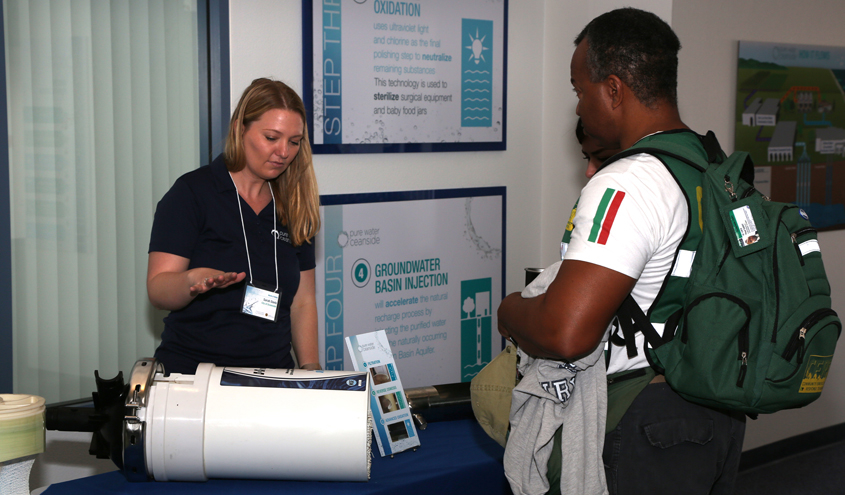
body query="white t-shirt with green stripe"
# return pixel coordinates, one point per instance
(631, 218)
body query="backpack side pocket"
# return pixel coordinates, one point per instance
(801, 358)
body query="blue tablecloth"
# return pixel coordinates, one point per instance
(453, 457)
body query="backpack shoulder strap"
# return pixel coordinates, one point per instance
(682, 144)
(687, 156)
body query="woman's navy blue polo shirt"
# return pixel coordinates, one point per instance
(198, 219)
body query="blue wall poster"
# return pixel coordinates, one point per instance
(427, 267)
(389, 76)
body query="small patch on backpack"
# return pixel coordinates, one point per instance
(803, 214)
(815, 374)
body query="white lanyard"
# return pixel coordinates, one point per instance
(275, 232)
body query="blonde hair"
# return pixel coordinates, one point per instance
(297, 197)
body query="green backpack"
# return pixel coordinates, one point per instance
(747, 316)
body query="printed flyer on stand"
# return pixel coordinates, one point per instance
(392, 422)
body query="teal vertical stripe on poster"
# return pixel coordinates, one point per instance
(333, 219)
(476, 326)
(476, 73)
(332, 73)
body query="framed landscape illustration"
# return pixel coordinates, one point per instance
(790, 116)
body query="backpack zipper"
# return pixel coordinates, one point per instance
(751, 190)
(795, 235)
(780, 224)
(798, 254)
(742, 340)
(803, 231)
(776, 281)
(796, 342)
(743, 368)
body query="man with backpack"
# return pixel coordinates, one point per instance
(625, 238)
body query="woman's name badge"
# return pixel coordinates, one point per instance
(260, 302)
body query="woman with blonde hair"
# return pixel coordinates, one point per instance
(231, 252)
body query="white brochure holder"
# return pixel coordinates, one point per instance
(392, 421)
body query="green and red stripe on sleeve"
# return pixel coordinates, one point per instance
(603, 221)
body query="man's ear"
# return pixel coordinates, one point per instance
(615, 90)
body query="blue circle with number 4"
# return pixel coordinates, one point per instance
(361, 273)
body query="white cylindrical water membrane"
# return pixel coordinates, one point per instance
(258, 424)
(175, 426)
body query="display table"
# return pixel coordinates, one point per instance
(454, 457)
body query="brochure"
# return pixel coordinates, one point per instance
(392, 422)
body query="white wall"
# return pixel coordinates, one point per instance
(563, 165)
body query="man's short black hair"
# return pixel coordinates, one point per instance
(639, 48)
